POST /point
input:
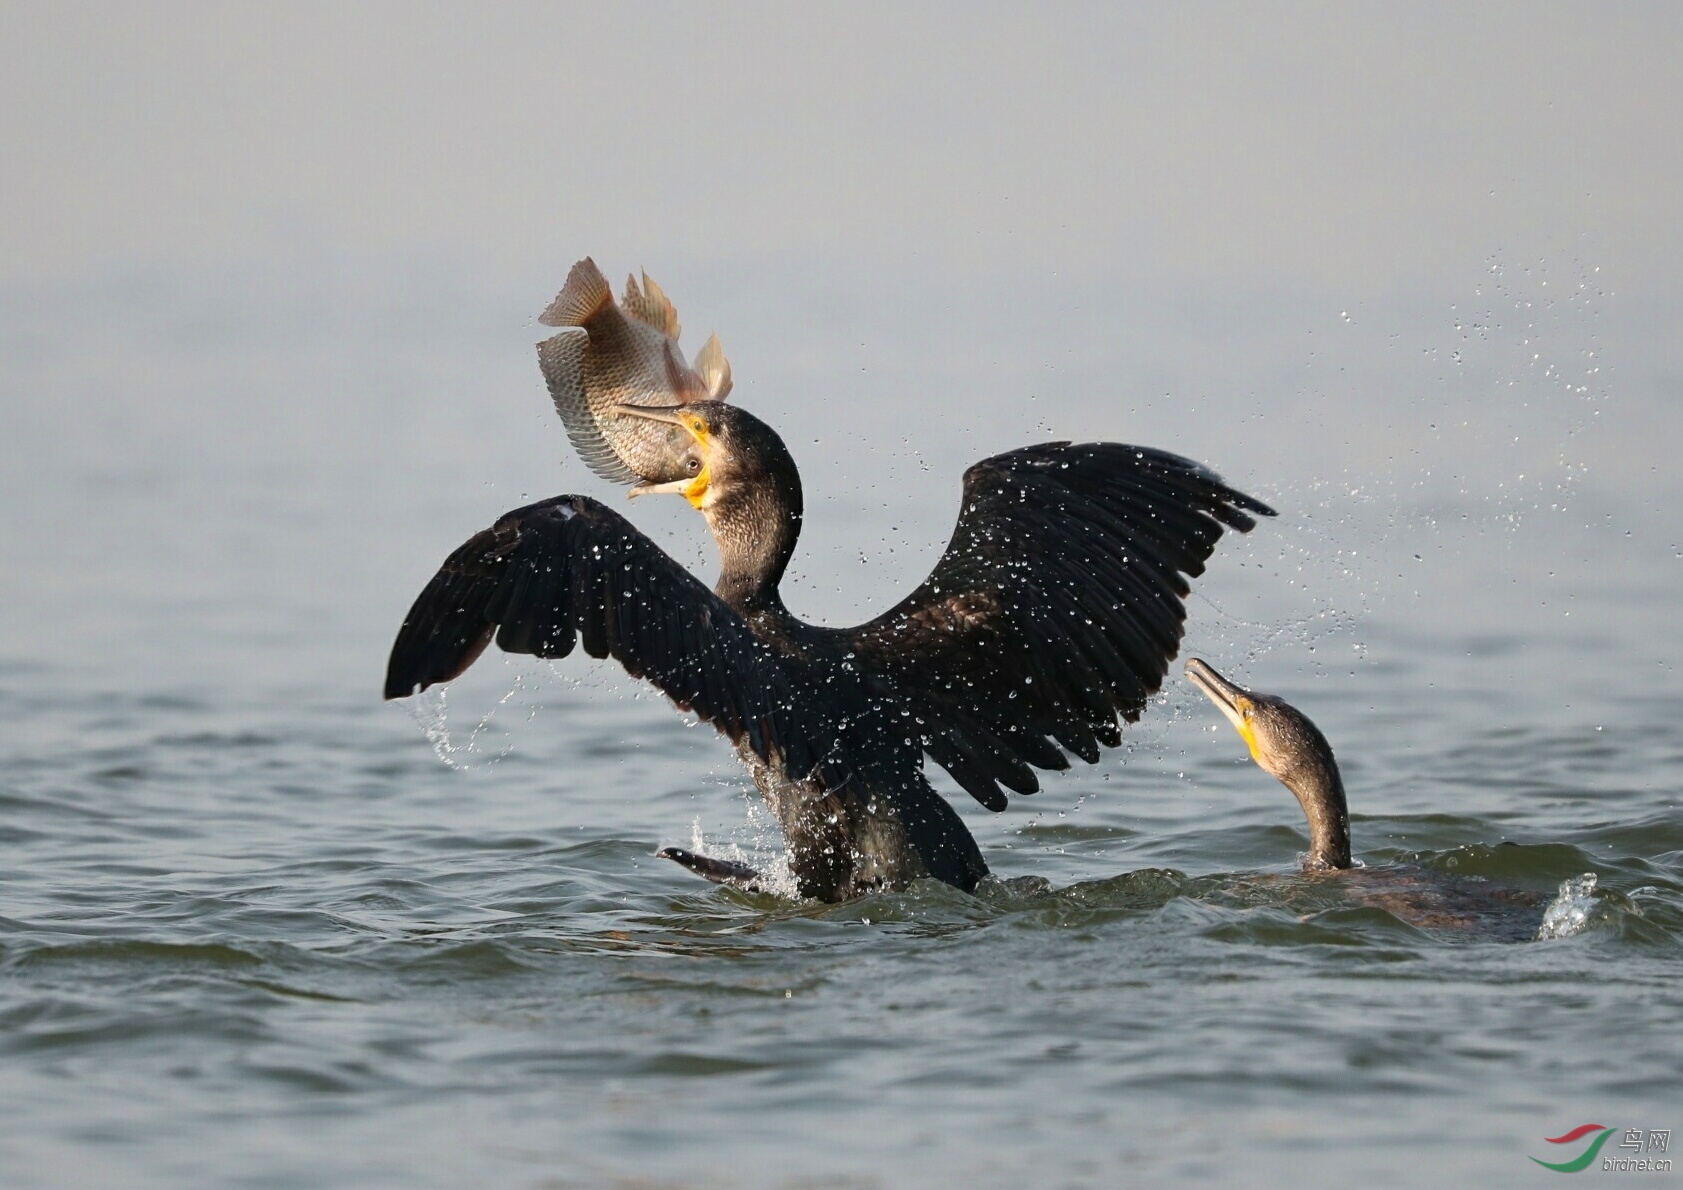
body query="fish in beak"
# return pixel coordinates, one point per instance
(610, 355)
(692, 462)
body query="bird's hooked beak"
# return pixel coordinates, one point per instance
(665, 414)
(691, 487)
(1231, 700)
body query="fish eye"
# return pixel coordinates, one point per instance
(694, 464)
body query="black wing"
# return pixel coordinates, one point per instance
(568, 568)
(1056, 608)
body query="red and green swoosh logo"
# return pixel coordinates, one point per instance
(1582, 1160)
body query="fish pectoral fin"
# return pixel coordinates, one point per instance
(719, 871)
(713, 368)
(681, 380)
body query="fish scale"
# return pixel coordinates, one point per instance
(624, 353)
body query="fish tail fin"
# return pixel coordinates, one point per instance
(714, 368)
(581, 298)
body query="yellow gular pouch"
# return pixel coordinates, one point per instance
(696, 490)
(1243, 724)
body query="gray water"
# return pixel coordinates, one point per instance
(258, 929)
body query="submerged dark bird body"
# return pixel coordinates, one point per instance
(1051, 617)
(1286, 744)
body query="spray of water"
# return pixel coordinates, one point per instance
(1573, 910)
(430, 710)
(757, 841)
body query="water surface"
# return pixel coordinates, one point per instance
(256, 932)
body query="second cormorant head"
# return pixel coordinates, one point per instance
(741, 477)
(1287, 746)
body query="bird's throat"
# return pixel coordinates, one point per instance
(1322, 797)
(756, 531)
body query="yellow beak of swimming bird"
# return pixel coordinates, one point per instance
(1290, 748)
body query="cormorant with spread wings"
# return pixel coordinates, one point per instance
(1051, 618)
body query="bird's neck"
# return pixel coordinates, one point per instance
(756, 530)
(1320, 791)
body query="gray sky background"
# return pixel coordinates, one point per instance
(1367, 259)
(1352, 147)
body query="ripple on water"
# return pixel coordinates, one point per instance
(270, 921)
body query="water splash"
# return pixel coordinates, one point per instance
(430, 710)
(1487, 426)
(1573, 910)
(431, 714)
(759, 845)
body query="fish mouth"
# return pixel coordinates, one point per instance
(666, 415)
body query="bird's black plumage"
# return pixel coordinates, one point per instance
(1056, 607)
(567, 569)
(1051, 617)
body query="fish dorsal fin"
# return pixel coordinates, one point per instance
(651, 305)
(714, 368)
(581, 298)
(561, 357)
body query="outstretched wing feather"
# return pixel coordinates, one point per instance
(569, 569)
(1056, 608)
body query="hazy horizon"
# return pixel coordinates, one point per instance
(1370, 264)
